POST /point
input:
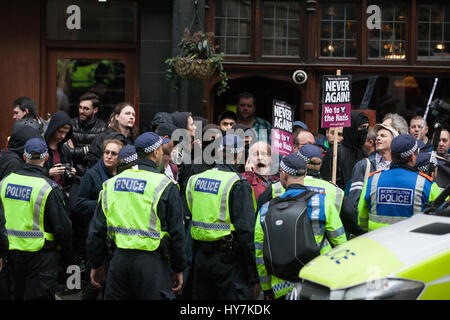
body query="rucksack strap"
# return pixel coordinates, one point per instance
(306, 195)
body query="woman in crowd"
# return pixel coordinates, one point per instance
(90, 187)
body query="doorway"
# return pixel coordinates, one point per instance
(264, 89)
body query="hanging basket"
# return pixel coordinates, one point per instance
(194, 69)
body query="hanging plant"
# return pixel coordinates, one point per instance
(197, 60)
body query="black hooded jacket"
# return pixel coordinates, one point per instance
(59, 119)
(11, 158)
(350, 151)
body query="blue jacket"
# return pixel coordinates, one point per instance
(393, 195)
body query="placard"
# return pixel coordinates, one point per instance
(282, 120)
(336, 105)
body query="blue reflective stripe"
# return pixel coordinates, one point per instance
(259, 260)
(24, 234)
(282, 285)
(135, 232)
(211, 226)
(266, 279)
(258, 246)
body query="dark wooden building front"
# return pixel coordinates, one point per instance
(124, 44)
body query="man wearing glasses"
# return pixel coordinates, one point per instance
(85, 128)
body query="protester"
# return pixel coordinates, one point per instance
(258, 168)
(25, 108)
(90, 187)
(397, 122)
(59, 162)
(227, 120)
(11, 158)
(416, 130)
(121, 126)
(349, 151)
(246, 114)
(85, 128)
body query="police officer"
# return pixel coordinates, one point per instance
(398, 193)
(322, 214)
(142, 211)
(220, 201)
(36, 222)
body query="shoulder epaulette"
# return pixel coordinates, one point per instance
(372, 173)
(426, 176)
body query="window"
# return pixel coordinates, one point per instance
(250, 30)
(338, 30)
(389, 42)
(233, 21)
(434, 31)
(281, 28)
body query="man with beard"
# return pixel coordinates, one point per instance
(350, 150)
(85, 128)
(257, 168)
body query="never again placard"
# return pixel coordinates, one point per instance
(283, 116)
(336, 106)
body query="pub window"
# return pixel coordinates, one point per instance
(233, 22)
(281, 28)
(338, 30)
(389, 41)
(434, 31)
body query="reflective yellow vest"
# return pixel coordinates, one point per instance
(130, 202)
(208, 195)
(24, 200)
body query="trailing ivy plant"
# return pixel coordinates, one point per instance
(194, 47)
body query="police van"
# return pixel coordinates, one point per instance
(407, 260)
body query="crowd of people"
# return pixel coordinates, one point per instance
(164, 214)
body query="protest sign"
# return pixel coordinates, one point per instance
(282, 119)
(336, 106)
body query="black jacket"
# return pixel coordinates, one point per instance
(242, 214)
(350, 151)
(96, 147)
(11, 158)
(90, 187)
(170, 213)
(56, 217)
(83, 135)
(59, 119)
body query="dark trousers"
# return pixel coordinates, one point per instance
(34, 274)
(136, 274)
(216, 280)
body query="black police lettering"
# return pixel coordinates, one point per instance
(18, 192)
(395, 196)
(207, 185)
(130, 185)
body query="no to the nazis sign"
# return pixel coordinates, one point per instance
(282, 116)
(336, 101)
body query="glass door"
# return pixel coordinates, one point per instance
(70, 74)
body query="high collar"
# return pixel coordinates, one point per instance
(296, 186)
(32, 168)
(148, 165)
(227, 167)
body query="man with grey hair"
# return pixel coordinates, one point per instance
(379, 160)
(397, 122)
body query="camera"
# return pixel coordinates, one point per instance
(441, 112)
(299, 77)
(67, 173)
